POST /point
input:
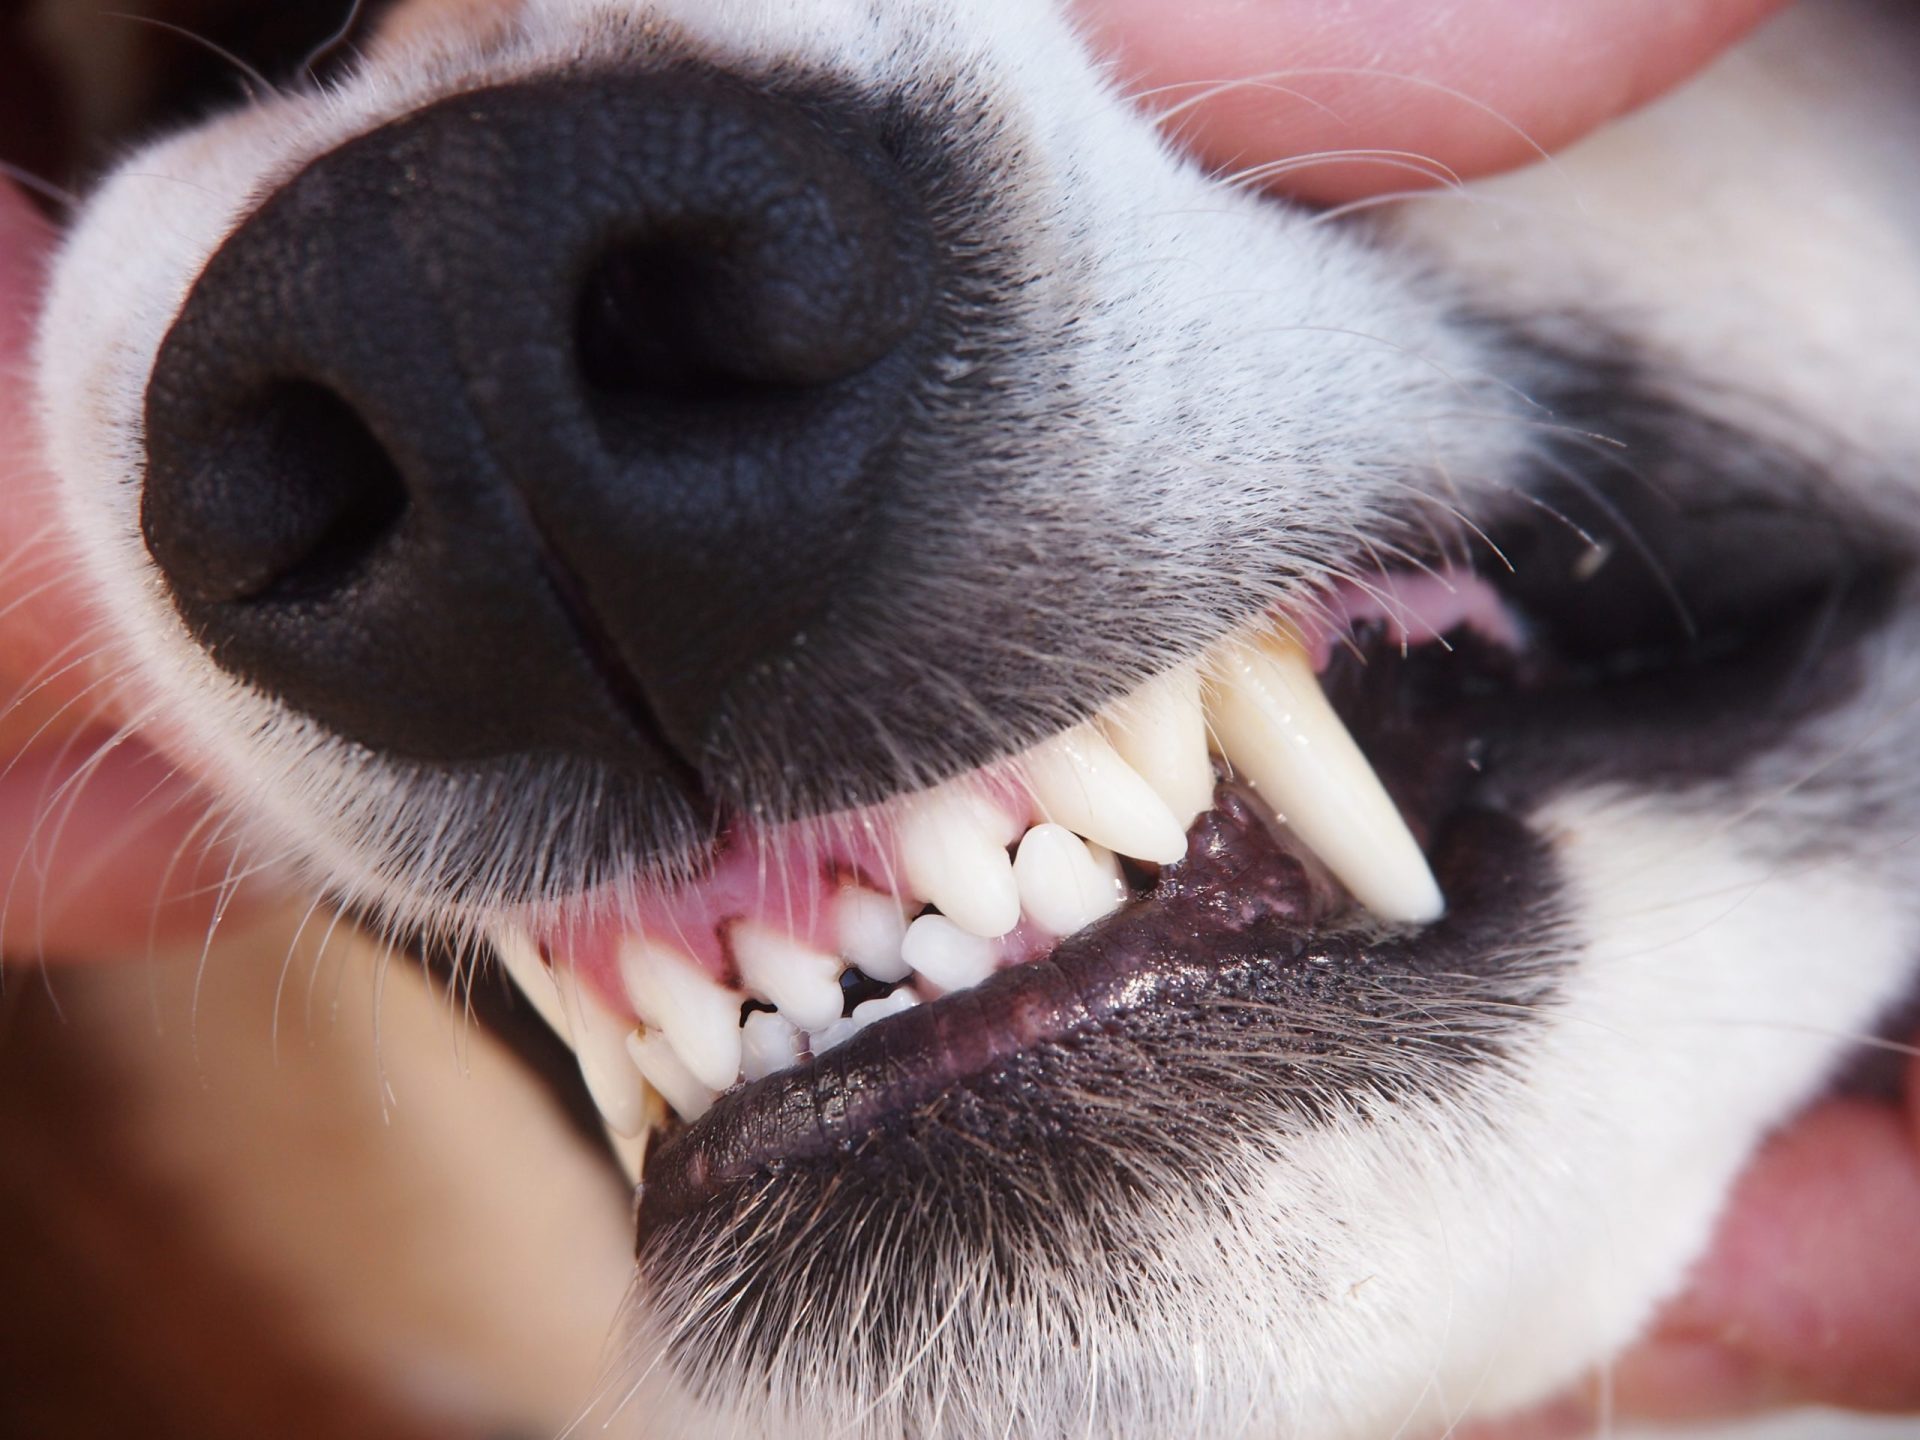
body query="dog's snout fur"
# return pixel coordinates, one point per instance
(532, 421)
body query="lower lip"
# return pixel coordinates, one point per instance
(1246, 919)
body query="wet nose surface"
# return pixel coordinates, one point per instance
(534, 419)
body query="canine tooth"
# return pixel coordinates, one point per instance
(1064, 884)
(1081, 782)
(864, 1014)
(699, 1016)
(870, 927)
(1161, 731)
(1276, 728)
(768, 1043)
(599, 1039)
(953, 848)
(803, 983)
(950, 957)
(652, 1055)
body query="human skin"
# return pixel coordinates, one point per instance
(100, 853)
(1811, 1291)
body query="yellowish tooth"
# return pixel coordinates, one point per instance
(953, 849)
(1080, 781)
(599, 1041)
(803, 984)
(1161, 731)
(699, 1016)
(1277, 730)
(651, 1054)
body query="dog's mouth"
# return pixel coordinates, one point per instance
(1323, 801)
(797, 942)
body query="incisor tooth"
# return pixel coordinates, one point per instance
(651, 1054)
(699, 1016)
(950, 957)
(599, 1040)
(1276, 728)
(953, 848)
(870, 927)
(803, 983)
(1064, 884)
(1081, 782)
(1161, 731)
(768, 1043)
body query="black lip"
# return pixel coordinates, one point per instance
(1244, 917)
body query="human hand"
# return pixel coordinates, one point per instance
(1339, 100)
(102, 845)
(1809, 1295)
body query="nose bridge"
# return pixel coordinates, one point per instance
(618, 359)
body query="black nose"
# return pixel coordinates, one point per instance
(534, 420)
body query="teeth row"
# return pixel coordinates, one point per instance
(1129, 784)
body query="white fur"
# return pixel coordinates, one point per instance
(1475, 1254)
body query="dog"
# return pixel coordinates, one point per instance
(1148, 810)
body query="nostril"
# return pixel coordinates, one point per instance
(285, 499)
(652, 321)
(777, 294)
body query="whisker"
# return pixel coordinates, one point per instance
(254, 84)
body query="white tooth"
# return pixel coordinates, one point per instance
(1063, 883)
(950, 957)
(803, 983)
(868, 1011)
(1277, 730)
(769, 1043)
(653, 1054)
(1161, 731)
(838, 1033)
(870, 927)
(599, 1039)
(864, 1014)
(1081, 782)
(699, 1016)
(953, 848)
(520, 958)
